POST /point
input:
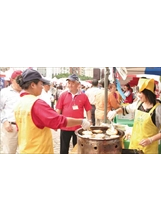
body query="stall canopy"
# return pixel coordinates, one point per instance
(155, 73)
(131, 74)
(143, 70)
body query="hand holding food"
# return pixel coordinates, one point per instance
(85, 124)
(111, 114)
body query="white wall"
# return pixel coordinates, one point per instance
(49, 72)
(88, 71)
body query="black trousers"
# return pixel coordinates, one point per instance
(52, 105)
(93, 114)
(65, 137)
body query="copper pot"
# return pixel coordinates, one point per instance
(99, 146)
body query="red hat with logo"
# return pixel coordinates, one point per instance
(16, 73)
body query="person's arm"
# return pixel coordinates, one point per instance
(88, 114)
(113, 113)
(3, 111)
(147, 141)
(124, 110)
(88, 108)
(44, 116)
(127, 93)
(58, 111)
(73, 122)
(3, 114)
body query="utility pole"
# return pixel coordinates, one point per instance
(106, 92)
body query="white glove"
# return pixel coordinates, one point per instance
(111, 114)
(85, 124)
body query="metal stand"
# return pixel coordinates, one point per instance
(106, 93)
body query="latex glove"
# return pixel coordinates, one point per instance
(86, 124)
(111, 114)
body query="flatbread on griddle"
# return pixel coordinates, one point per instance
(97, 131)
(100, 136)
(87, 132)
(112, 132)
(114, 136)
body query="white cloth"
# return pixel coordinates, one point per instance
(99, 122)
(131, 108)
(111, 114)
(127, 93)
(85, 124)
(9, 140)
(46, 96)
(91, 93)
(8, 99)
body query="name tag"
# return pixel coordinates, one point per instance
(75, 107)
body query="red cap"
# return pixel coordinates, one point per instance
(16, 73)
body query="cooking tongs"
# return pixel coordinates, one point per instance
(110, 122)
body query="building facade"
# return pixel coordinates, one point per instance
(51, 72)
(75, 70)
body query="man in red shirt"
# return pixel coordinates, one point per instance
(72, 103)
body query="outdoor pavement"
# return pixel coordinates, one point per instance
(56, 141)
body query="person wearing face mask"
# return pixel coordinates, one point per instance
(147, 122)
(34, 117)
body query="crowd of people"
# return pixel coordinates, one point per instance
(32, 105)
(30, 119)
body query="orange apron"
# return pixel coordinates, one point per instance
(144, 128)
